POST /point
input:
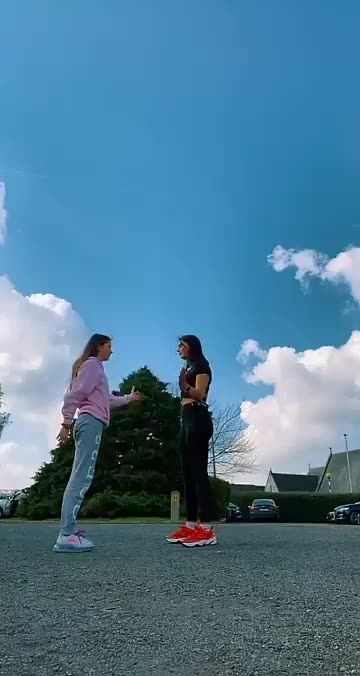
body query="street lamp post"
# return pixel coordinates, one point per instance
(328, 476)
(348, 462)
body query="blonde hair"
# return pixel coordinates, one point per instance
(91, 349)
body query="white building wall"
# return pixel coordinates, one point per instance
(270, 485)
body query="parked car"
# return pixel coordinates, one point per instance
(9, 502)
(346, 514)
(5, 505)
(263, 508)
(233, 513)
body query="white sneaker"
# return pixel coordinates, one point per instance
(73, 544)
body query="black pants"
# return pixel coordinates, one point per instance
(195, 434)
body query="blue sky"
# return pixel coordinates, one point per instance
(155, 153)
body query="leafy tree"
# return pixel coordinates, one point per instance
(4, 417)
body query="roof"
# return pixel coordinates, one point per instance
(337, 467)
(301, 483)
(243, 488)
(316, 471)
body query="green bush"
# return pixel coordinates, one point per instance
(143, 504)
(114, 505)
(100, 505)
(220, 490)
(22, 509)
(37, 507)
(298, 507)
(37, 511)
(136, 481)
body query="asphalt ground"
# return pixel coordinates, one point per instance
(269, 599)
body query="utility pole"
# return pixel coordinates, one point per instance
(213, 457)
(328, 475)
(348, 462)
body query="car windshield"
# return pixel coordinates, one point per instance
(263, 502)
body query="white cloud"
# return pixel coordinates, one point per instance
(3, 214)
(18, 463)
(307, 262)
(39, 337)
(248, 348)
(315, 398)
(344, 268)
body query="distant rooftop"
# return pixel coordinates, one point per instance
(316, 471)
(242, 488)
(336, 471)
(301, 483)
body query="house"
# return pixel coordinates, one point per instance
(237, 490)
(291, 483)
(341, 473)
(316, 471)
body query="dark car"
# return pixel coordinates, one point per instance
(263, 508)
(233, 513)
(346, 514)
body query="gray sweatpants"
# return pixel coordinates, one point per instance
(87, 436)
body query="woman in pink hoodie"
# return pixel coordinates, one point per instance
(89, 394)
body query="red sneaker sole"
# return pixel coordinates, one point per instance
(201, 543)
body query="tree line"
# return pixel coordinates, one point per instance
(138, 464)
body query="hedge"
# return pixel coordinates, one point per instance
(293, 507)
(114, 505)
(111, 504)
(298, 507)
(220, 490)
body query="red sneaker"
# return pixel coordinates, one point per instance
(180, 534)
(200, 537)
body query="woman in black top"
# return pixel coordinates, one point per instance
(195, 434)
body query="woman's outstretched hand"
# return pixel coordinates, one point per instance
(135, 395)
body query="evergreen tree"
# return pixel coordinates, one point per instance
(138, 454)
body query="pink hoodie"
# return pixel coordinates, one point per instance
(89, 393)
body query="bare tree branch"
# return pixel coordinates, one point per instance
(232, 447)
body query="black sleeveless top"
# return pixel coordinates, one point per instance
(195, 369)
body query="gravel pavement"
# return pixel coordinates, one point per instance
(270, 599)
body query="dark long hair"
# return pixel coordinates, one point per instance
(91, 349)
(195, 351)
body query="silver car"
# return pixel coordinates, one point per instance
(6, 501)
(9, 502)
